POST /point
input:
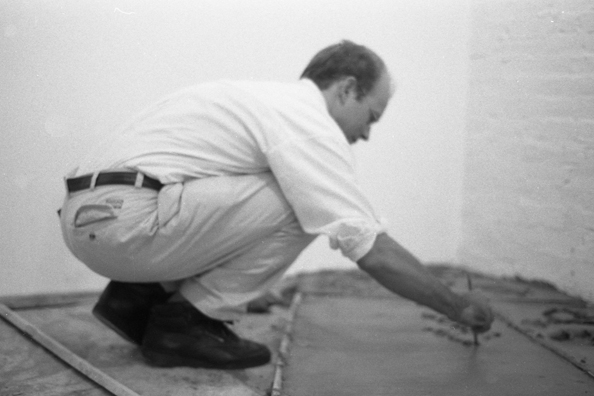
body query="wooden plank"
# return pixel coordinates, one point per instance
(47, 300)
(65, 354)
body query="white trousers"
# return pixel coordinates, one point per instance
(222, 241)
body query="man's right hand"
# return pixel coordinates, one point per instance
(477, 314)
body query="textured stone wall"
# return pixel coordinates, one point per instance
(529, 172)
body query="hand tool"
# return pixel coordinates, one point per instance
(474, 335)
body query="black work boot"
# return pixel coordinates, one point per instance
(125, 307)
(178, 334)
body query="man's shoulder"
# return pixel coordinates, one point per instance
(257, 88)
(299, 87)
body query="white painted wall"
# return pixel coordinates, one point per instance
(71, 70)
(528, 206)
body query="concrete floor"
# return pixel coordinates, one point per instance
(349, 337)
(352, 346)
(28, 369)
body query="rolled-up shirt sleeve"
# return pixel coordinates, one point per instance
(317, 177)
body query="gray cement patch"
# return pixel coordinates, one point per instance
(351, 337)
(353, 346)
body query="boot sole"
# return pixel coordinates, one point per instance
(160, 359)
(116, 329)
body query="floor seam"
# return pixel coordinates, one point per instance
(565, 356)
(281, 361)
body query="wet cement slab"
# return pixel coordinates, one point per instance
(350, 336)
(371, 346)
(561, 323)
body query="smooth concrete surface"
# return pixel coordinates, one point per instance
(350, 337)
(561, 323)
(354, 346)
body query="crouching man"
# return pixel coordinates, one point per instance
(201, 202)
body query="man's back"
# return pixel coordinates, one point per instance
(219, 128)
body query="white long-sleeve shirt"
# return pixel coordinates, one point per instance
(234, 128)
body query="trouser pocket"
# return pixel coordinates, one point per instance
(91, 214)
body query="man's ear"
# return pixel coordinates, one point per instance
(347, 86)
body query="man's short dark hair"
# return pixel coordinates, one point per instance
(343, 60)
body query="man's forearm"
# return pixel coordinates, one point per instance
(400, 272)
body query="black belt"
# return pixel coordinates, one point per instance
(106, 178)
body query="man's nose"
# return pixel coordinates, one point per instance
(365, 134)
